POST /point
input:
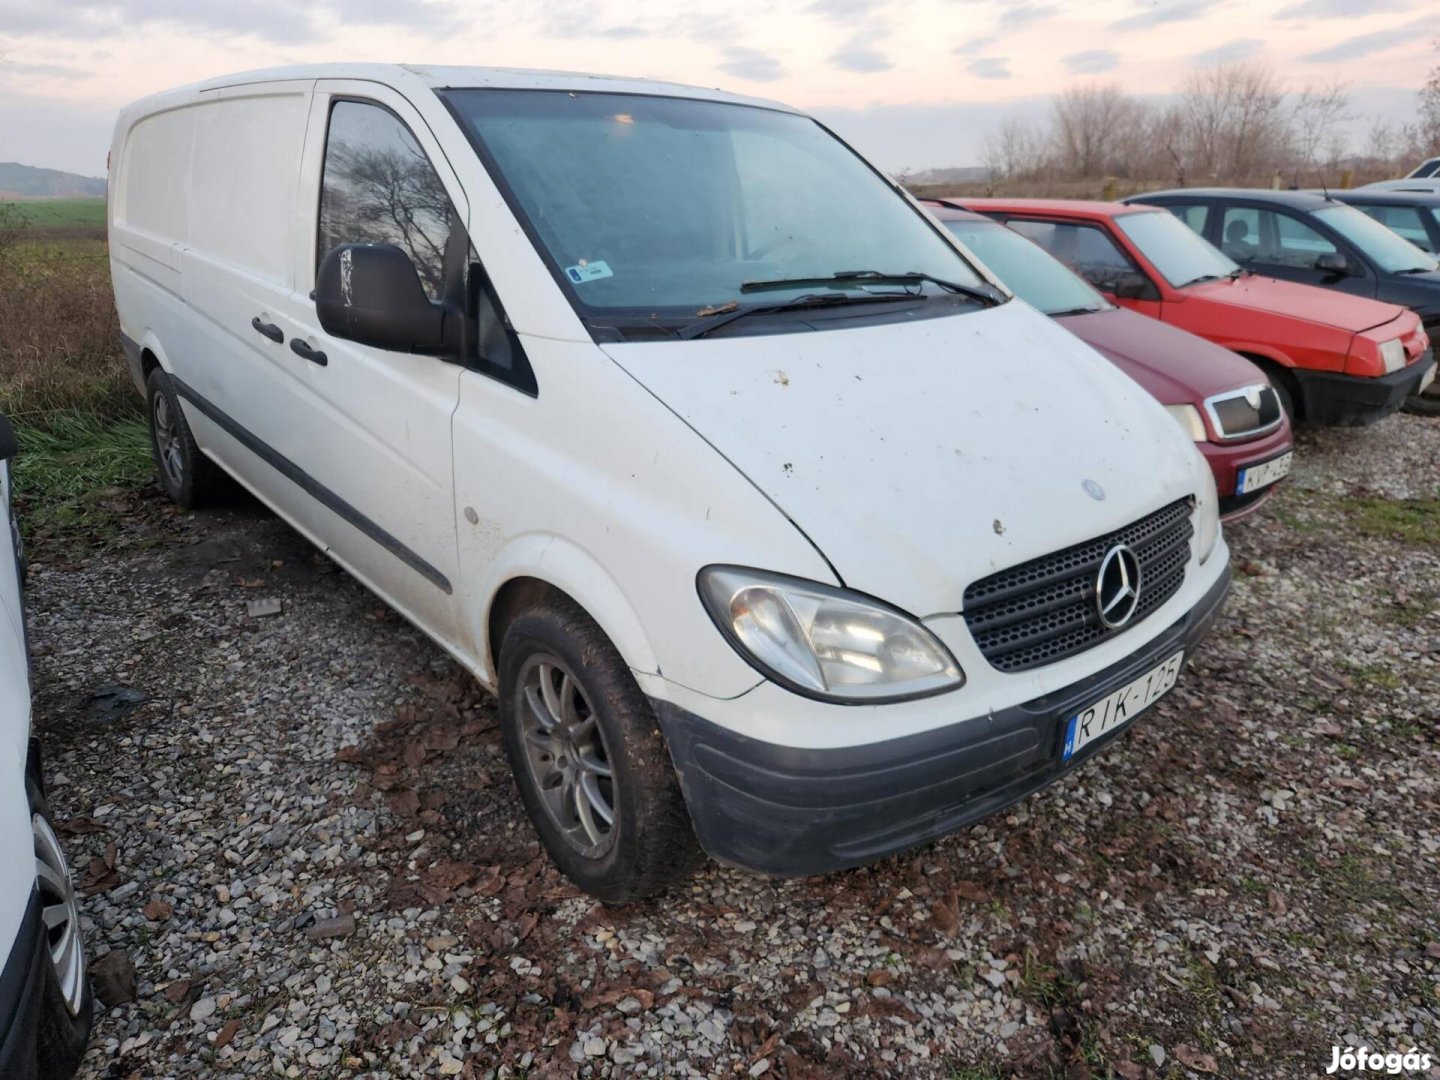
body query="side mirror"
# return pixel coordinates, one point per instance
(371, 293)
(1132, 287)
(1332, 262)
(9, 445)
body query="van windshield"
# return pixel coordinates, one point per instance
(653, 209)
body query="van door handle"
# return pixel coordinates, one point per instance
(270, 330)
(315, 356)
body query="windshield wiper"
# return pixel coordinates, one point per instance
(984, 294)
(714, 318)
(1208, 277)
(1074, 311)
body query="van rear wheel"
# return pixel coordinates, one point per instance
(189, 477)
(589, 759)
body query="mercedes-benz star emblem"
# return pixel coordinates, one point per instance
(1094, 490)
(1117, 587)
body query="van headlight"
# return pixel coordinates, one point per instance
(1207, 515)
(1188, 417)
(824, 642)
(1392, 355)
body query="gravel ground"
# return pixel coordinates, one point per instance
(303, 854)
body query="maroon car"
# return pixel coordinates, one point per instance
(1223, 400)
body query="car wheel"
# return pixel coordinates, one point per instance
(67, 1005)
(589, 759)
(1280, 381)
(1423, 404)
(189, 477)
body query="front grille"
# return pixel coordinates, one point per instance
(1236, 417)
(1044, 610)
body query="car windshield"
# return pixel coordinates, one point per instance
(659, 208)
(1390, 251)
(1174, 249)
(1026, 269)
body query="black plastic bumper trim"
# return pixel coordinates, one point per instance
(1354, 401)
(312, 487)
(794, 812)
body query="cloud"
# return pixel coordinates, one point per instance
(1378, 41)
(271, 20)
(1018, 15)
(1160, 12)
(1091, 61)
(751, 64)
(843, 10)
(1339, 9)
(573, 21)
(990, 67)
(860, 56)
(41, 71)
(975, 45)
(1231, 51)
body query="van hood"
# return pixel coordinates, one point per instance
(1175, 366)
(919, 456)
(1325, 307)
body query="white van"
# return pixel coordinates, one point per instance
(45, 1003)
(770, 517)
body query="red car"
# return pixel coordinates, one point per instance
(1333, 358)
(1221, 399)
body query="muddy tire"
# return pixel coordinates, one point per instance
(588, 757)
(189, 477)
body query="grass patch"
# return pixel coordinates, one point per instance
(1412, 521)
(49, 214)
(74, 463)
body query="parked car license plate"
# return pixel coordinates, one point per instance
(1254, 477)
(1119, 708)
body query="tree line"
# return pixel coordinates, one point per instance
(1231, 123)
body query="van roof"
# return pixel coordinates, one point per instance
(437, 77)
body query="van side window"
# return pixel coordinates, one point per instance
(380, 188)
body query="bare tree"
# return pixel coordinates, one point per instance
(1317, 125)
(1015, 151)
(1235, 121)
(1091, 125)
(1427, 125)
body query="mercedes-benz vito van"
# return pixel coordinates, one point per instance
(772, 519)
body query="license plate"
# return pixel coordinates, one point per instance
(1118, 709)
(1254, 477)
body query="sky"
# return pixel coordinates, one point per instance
(914, 84)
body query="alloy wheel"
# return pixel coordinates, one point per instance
(61, 915)
(567, 756)
(167, 440)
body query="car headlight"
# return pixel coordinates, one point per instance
(1207, 515)
(824, 642)
(1392, 355)
(1188, 417)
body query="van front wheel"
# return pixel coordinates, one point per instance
(189, 477)
(589, 759)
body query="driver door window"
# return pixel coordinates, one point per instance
(380, 188)
(1085, 249)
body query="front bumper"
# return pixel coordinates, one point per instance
(1354, 401)
(22, 990)
(1227, 459)
(794, 812)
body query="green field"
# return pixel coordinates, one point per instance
(53, 214)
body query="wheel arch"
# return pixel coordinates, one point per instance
(537, 567)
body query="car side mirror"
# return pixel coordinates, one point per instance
(9, 444)
(1332, 262)
(371, 293)
(1132, 287)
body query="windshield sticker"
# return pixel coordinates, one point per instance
(588, 271)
